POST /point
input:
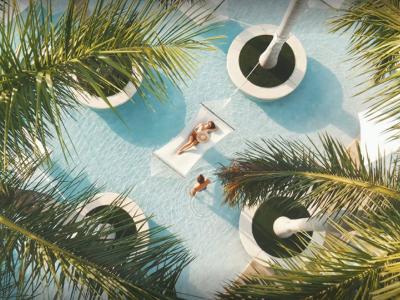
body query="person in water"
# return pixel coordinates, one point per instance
(198, 135)
(201, 185)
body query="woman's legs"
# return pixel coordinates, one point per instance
(191, 142)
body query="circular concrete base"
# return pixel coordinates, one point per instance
(115, 100)
(251, 89)
(250, 245)
(104, 199)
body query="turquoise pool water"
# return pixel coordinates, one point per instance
(118, 157)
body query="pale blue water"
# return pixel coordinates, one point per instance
(119, 157)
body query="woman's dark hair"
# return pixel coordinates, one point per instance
(200, 179)
(212, 124)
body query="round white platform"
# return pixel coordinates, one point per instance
(126, 204)
(252, 248)
(261, 92)
(115, 100)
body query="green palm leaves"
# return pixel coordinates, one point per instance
(361, 263)
(43, 59)
(47, 248)
(323, 175)
(375, 46)
(360, 259)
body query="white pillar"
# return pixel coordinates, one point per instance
(269, 58)
(284, 227)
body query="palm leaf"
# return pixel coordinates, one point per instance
(322, 175)
(375, 47)
(42, 59)
(47, 249)
(169, 3)
(362, 264)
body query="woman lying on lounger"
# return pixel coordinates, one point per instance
(199, 135)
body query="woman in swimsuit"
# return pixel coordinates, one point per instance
(198, 135)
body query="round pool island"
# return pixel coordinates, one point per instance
(123, 212)
(265, 84)
(261, 242)
(96, 102)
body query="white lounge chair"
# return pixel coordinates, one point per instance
(184, 162)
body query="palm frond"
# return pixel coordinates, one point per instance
(375, 46)
(323, 176)
(3, 4)
(362, 264)
(169, 3)
(46, 246)
(43, 60)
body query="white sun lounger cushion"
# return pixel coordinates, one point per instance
(184, 162)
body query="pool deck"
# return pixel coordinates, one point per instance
(119, 157)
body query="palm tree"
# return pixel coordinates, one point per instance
(374, 45)
(322, 175)
(362, 263)
(357, 266)
(47, 250)
(42, 59)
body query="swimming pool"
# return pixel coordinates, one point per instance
(119, 157)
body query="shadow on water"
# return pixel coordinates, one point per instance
(316, 103)
(77, 176)
(183, 278)
(229, 29)
(148, 124)
(215, 158)
(212, 198)
(185, 282)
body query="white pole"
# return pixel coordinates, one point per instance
(285, 227)
(269, 58)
